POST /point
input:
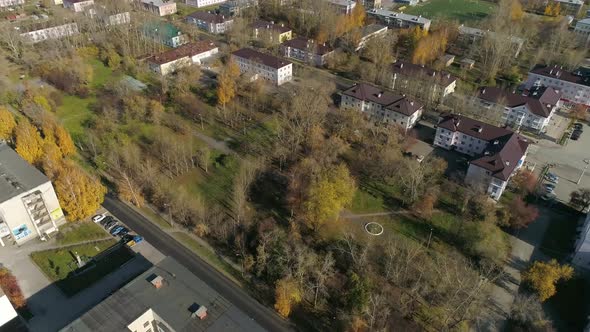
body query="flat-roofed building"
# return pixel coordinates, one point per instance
(471, 35)
(28, 205)
(369, 32)
(210, 22)
(263, 66)
(274, 33)
(399, 20)
(160, 7)
(185, 55)
(11, 3)
(38, 33)
(78, 5)
(203, 3)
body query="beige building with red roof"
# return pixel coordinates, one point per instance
(182, 56)
(210, 22)
(306, 50)
(406, 73)
(382, 105)
(274, 33)
(498, 152)
(533, 109)
(263, 66)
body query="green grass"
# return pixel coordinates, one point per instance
(461, 10)
(74, 112)
(80, 232)
(59, 264)
(209, 256)
(364, 202)
(152, 216)
(101, 74)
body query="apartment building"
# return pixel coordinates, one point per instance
(369, 32)
(78, 5)
(165, 33)
(182, 56)
(29, 208)
(531, 110)
(574, 87)
(382, 105)
(203, 3)
(274, 33)
(212, 23)
(497, 152)
(407, 2)
(235, 7)
(9, 318)
(569, 7)
(306, 50)
(370, 4)
(405, 73)
(263, 66)
(399, 20)
(344, 7)
(115, 19)
(11, 3)
(160, 7)
(470, 35)
(37, 33)
(582, 30)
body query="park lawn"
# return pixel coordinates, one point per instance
(58, 264)
(364, 202)
(77, 232)
(101, 74)
(460, 10)
(74, 113)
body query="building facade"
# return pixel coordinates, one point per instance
(344, 7)
(306, 50)
(165, 33)
(470, 35)
(29, 208)
(263, 66)
(203, 3)
(116, 19)
(569, 7)
(160, 7)
(235, 7)
(497, 153)
(382, 105)
(78, 5)
(582, 30)
(369, 32)
(185, 55)
(399, 20)
(574, 87)
(212, 23)
(56, 32)
(274, 33)
(440, 84)
(582, 253)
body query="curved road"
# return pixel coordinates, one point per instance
(264, 316)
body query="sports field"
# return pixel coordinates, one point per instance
(461, 10)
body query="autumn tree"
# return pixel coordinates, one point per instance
(29, 143)
(516, 11)
(9, 285)
(543, 276)
(80, 195)
(553, 8)
(64, 141)
(524, 182)
(7, 123)
(328, 195)
(287, 294)
(204, 158)
(580, 198)
(521, 213)
(358, 15)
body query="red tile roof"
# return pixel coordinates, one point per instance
(261, 24)
(302, 43)
(579, 76)
(538, 100)
(409, 69)
(387, 99)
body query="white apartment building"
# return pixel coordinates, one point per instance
(160, 7)
(343, 6)
(369, 32)
(212, 23)
(498, 153)
(440, 83)
(182, 56)
(306, 50)
(116, 19)
(77, 5)
(28, 205)
(203, 3)
(532, 110)
(399, 20)
(11, 3)
(263, 66)
(582, 30)
(55, 32)
(472, 35)
(574, 87)
(382, 105)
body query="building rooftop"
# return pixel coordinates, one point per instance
(579, 76)
(157, 3)
(370, 29)
(265, 59)
(171, 293)
(409, 69)
(504, 150)
(16, 175)
(584, 21)
(209, 17)
(572, 2)
(303, 43)
(161, 29)
(261, 24)
(397, 15)
(538, 100)
(343, 3)
(387, 99)
(187, 50)
(464, 30)
(43, 25)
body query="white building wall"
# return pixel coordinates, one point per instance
(573, 92)
(203, 3)
(377, 112)
(50, 33)
(10, 3)
(7, 312)
(197, 58)
(276, 76)
(481, 178)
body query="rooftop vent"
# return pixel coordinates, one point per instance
(479, 129)
(487, 153)
(496, 142)
(198, 311)
(156, 281)
(507, 163)
(379, 94)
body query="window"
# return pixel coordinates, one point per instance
(146, 324)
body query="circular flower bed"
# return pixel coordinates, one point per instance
(374, 228)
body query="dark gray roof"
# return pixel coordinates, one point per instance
(16, 175)
(181, 290)
(388, 99)
(539, 100)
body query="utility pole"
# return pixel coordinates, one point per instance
(587, 161)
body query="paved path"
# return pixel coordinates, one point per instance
(264, 316)
(213, 143)
(350, 215)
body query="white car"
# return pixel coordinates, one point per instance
(97, 218)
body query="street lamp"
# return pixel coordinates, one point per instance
(587, 161)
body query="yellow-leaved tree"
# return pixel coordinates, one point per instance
(516, 12)
(287, 294)
(29, 144)
(542, 277)
(328, 195)
(7, 123)
(64, 141)
(226, 89)
(80, 195)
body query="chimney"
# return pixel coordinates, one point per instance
(551, 72)
(483, 91)
(157, 281)
(401, 65)
(479, 130)
(198, 311)
(507, 163)
(379, 94)
(496, 142)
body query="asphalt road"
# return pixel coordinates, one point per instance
(264, 316)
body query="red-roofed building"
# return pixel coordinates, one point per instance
(210, 22)
(382, 105)
(498, 152)
(532, 109)
(573, 86)
(264, 66)
(306, 50)
(182, 56)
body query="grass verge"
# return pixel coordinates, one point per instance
(79, 232)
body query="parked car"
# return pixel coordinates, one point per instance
(548, 197)
(575, 135)
(123, 232)
(116, 230)
(578, 126)
(111, 225)
(131, 239)
(106, 220)
(97, 218)
(552, 178)
(549, 187)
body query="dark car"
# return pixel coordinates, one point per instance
(123, 232)
(578, 126)
(116, 230)
(110, 224)
(106, 220)
(575, 135)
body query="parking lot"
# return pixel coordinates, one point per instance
(567, 162)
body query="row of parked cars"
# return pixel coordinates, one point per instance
(114, 228)
(578, 131)
(549, 187)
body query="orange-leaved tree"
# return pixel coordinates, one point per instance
(543, 276)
